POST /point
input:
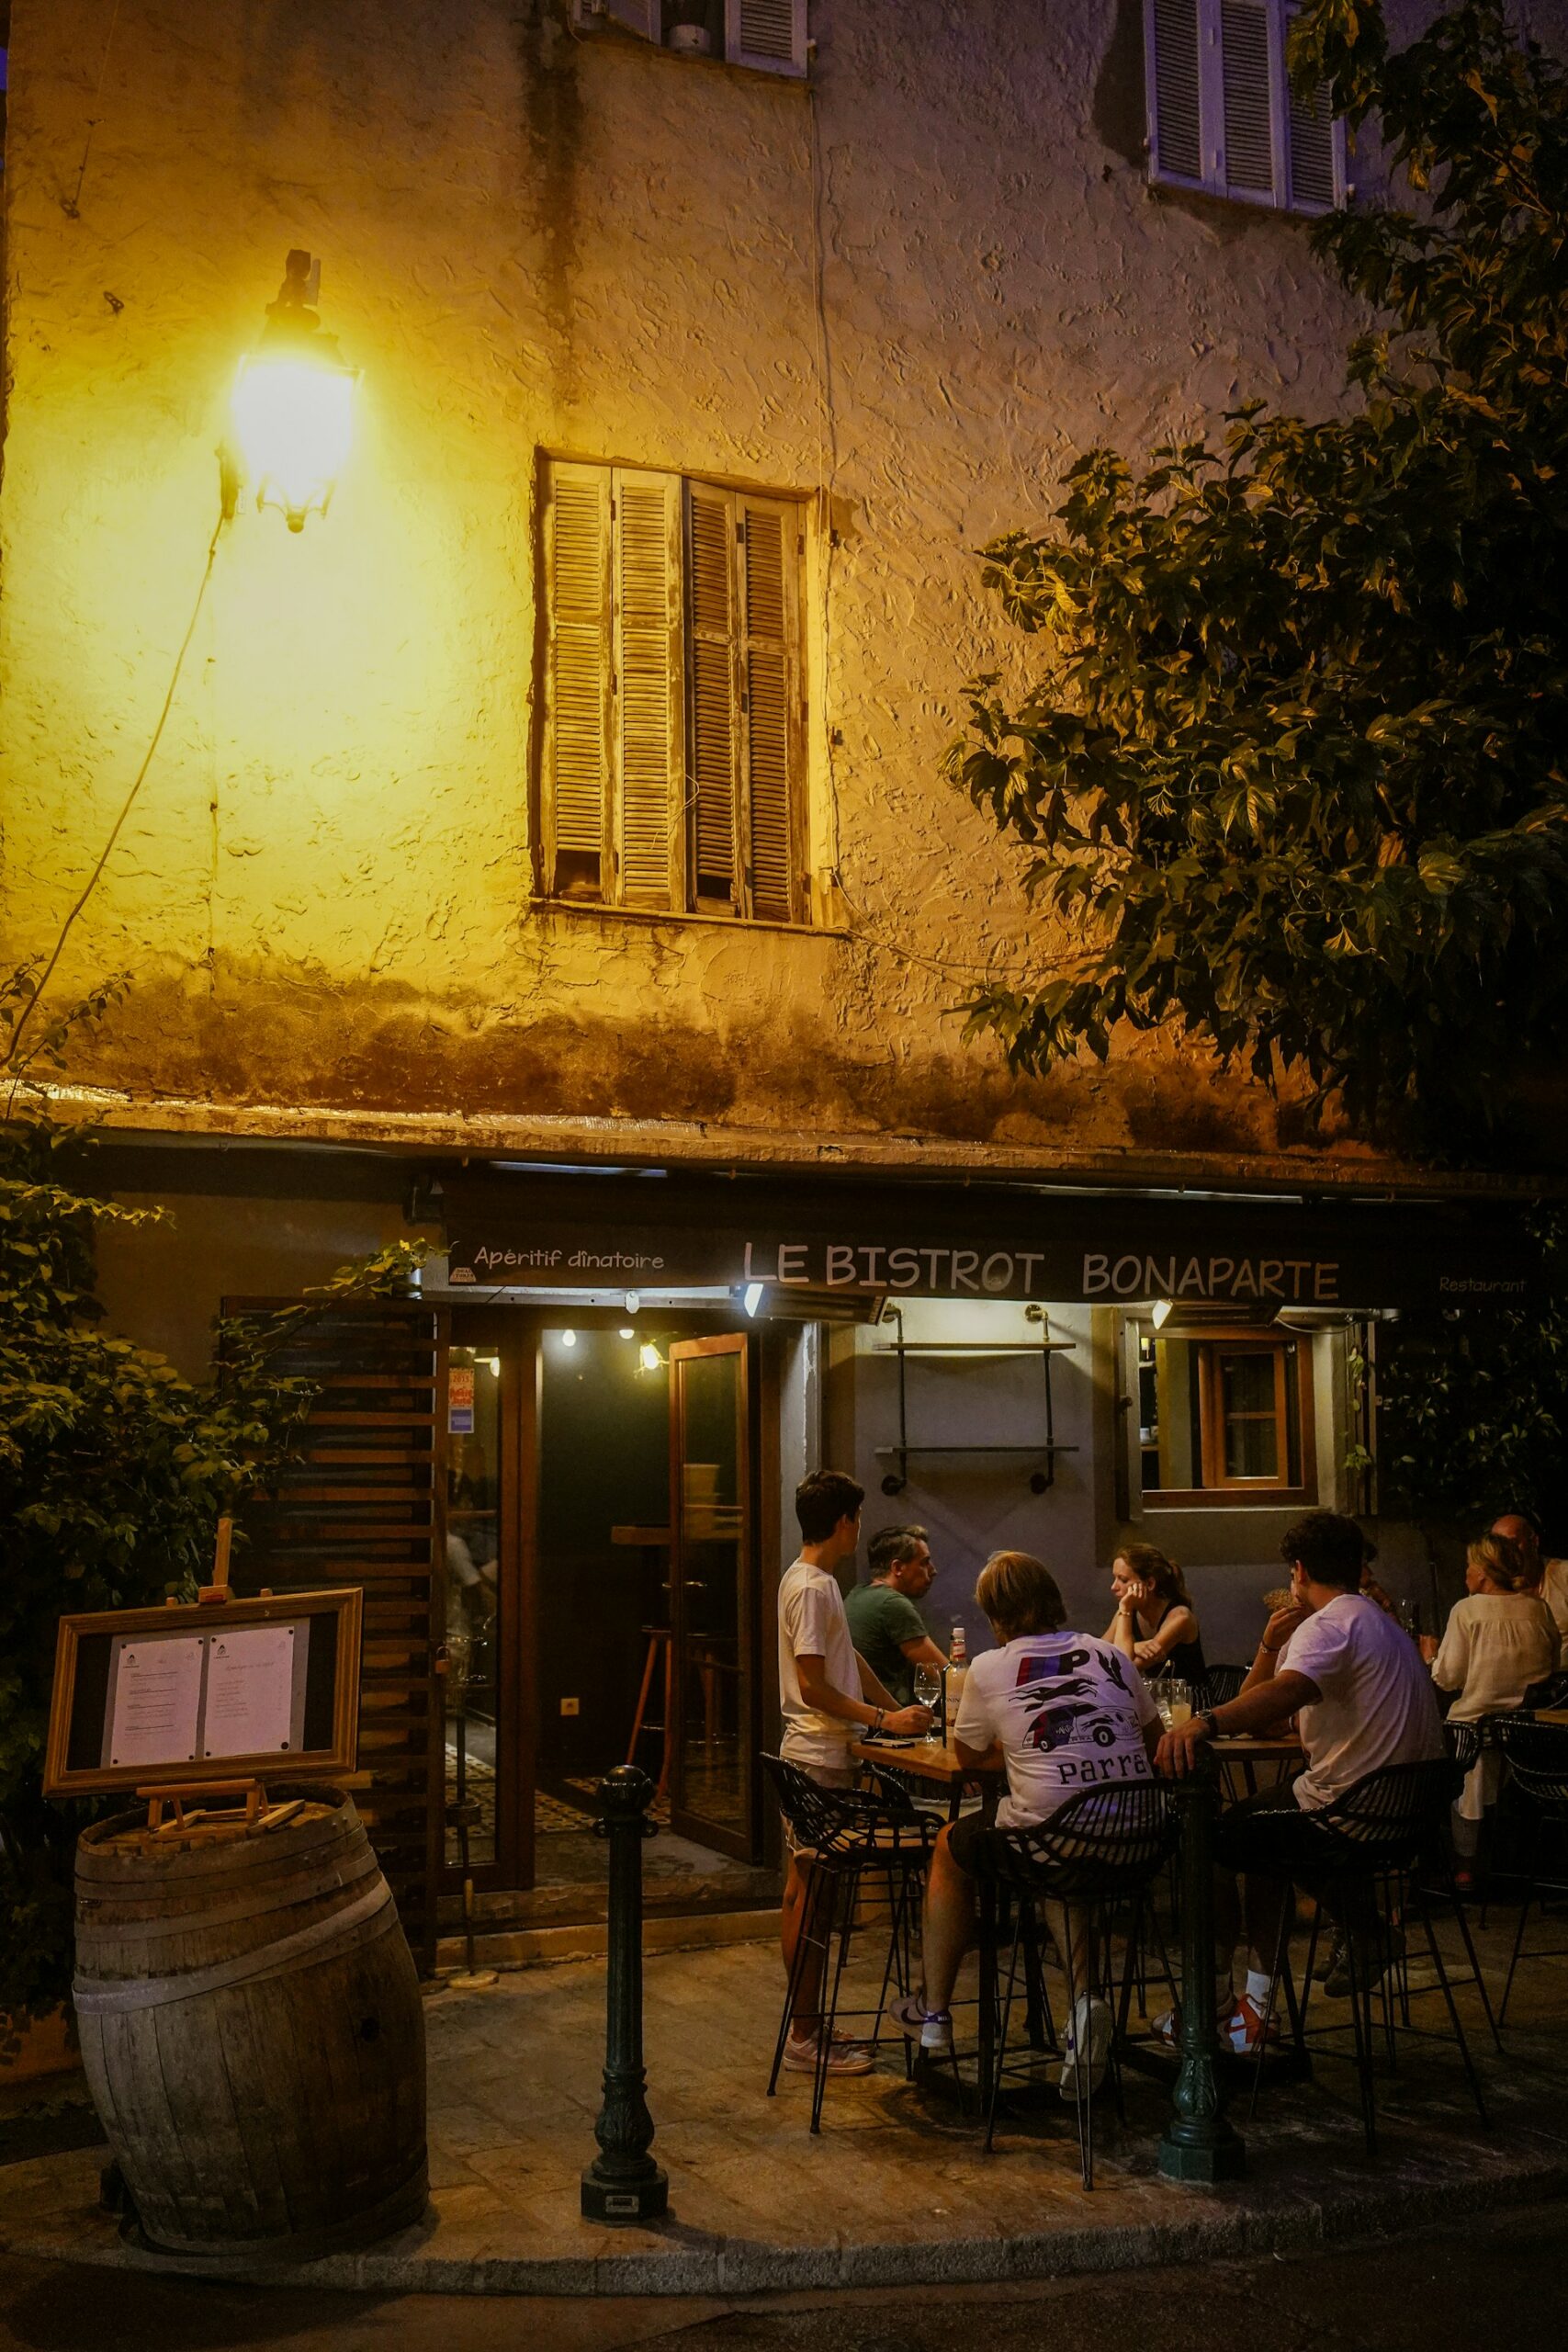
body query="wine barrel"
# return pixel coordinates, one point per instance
(251, 2033)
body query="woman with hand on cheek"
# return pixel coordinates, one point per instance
(1155, 1624)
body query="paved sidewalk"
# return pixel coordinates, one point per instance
(896, 2191)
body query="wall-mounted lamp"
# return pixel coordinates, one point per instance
(648, 1358)
(291, 412)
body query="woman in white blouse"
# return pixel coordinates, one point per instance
(1499, 1640)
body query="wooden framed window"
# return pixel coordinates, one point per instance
(766, 36)
(1222, 115)
(1225, 1417)
(671, 776)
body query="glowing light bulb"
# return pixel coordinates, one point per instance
(291, 412)
(648, 1358)
(569, 1339)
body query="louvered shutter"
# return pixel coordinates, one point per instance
(367, 1506)
(1247, 101)
(772, 701)
(648, 682)
(768, 35)
(1171, 72)
(713, 733)
(1312, 140)
(576, 771)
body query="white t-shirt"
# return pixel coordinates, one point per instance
(1495, 1645)
(812, 1624)
(1554, 1592)
(1069, 1712)
(1377, 1706)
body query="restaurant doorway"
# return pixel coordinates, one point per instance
(603, 1589)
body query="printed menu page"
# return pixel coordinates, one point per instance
(249, 1691)
(157, 1701)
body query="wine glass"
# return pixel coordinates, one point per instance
(928, 1688)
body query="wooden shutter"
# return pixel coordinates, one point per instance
(576, 771)
(1313, 136)
(1246, 98)
(713, 693)
(648, 714)
(368, 1507)
(770, 704)
(1172, 77)
(768, 35)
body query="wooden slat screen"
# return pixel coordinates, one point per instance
(367, 1506)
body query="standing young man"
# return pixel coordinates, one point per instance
(820, 1683)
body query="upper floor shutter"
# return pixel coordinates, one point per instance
(649, 719)
(1312, 140)
(770, 704)
(768, 35)
(713, 740)
(1248, 112)
(1171, 67)
(577, 705)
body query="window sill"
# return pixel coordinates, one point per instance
(1230, 1499)
(540, 904)
(1164, 185)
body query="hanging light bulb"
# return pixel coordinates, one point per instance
(648, 1358)
(569, 1339)
(291, 412)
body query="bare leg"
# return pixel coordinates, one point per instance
(1269, 1904)
(807, 2007)
(949, 1925)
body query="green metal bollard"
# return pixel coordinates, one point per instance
(623, 2183)
(1199, 2142)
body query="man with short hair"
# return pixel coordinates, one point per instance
(888, 1630)
(820, 1683)
(1521, 1529)
(1365, 1701)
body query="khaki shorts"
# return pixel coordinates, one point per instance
(827, 1776)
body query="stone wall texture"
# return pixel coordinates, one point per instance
(913, 290)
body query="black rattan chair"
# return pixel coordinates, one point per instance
(1222, 1683)
(1383, 1837)
(850, 1836)
(1538, 1761)
(1102, 1847)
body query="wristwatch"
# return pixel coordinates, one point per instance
(1206, 1715)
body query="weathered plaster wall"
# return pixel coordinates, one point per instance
(536, 241)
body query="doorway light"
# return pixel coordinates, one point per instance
(569, 1339)
(752, 1298)
(648, 1358)
(626, 1331)
(1162, 1309)
(495, 1364)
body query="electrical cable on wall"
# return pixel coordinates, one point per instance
(72, 205)
(125, 807)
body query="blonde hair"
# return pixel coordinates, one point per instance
(1504, 1561)
(1019, 1595)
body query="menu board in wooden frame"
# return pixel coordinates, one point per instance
(217, 1690)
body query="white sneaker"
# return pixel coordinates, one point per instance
(1089, 2032)
(844, 2057)
(931, 2028)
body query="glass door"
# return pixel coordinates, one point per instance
(712, 1596)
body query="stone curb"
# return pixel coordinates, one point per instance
(1226, 2224)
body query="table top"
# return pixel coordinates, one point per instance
(1552, 1714)
(1241, 1748)
(929, 1760)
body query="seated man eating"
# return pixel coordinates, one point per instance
(1364, 1699)
(1064, 1711)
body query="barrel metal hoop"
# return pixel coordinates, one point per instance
(280, 1959)
(275, 1894)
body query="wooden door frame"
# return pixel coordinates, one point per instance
(744, 1846)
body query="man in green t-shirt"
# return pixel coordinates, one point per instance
(884, 1624)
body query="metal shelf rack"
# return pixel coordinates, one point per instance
(903, 1454)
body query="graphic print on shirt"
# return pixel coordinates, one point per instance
(1054, 1687)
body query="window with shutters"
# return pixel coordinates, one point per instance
(768, 36)
(672, 775)
(1222, 114)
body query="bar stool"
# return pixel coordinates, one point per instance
(1537, 1758)
(848, 1836)
(658, 1639)
(1384, 1835)
(1103, 1847)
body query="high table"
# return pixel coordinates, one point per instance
(935, 1762)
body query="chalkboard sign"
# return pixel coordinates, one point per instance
(187, 1695)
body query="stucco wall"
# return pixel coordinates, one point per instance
(532, 241)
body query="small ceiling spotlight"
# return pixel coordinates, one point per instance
(569, 1339)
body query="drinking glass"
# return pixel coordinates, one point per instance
(928, 1688)
(1178, 1706)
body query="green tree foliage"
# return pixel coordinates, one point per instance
(1472, 1404)
(1291, 776)
(114, 1471)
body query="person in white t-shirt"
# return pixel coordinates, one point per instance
(1499, 1639)
(1064, 1712)
(827, 1695)
(1360, 1688)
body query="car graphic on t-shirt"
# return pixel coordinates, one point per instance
(1057, 1724)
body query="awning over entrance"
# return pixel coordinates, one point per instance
(918, 1241)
